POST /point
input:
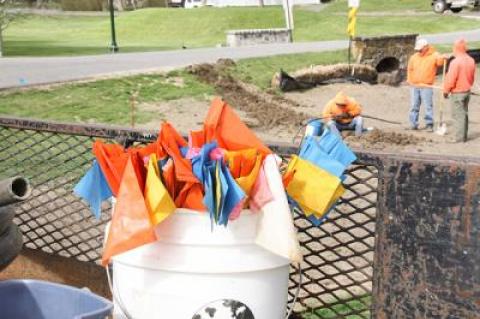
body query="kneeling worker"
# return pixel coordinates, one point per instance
(343, 113)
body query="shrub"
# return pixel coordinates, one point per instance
(83, 5)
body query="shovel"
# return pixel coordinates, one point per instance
(442, 127)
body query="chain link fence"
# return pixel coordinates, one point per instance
(338, 266)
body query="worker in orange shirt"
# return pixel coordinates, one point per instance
(458, 82)
(343, 113)
(421, 73)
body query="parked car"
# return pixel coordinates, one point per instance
(440, 6)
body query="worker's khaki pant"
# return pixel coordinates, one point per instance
(459, 108)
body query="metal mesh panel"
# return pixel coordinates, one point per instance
(337, 272)
(53, 219)
(338, 264)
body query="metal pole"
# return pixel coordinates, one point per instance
(113, 45)
(349, 55)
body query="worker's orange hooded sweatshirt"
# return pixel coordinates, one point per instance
(461, 72)
(422, 67)
(350, 106)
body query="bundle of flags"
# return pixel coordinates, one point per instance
(221, 169)
(313, 178)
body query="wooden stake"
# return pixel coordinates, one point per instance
(133, 101)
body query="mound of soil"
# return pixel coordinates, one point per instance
(381, 139)
(268, 110)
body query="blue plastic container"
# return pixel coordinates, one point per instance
(314, 128)
(34, 299)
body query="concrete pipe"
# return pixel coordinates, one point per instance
(14, 189)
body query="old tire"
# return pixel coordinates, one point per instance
(6, 216)
(11, 243)
(456, 10)
(439, 6)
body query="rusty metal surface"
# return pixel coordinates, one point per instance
(428, 247)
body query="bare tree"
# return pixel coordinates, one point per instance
(7, 15)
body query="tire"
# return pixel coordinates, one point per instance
(439, 6)
(6, 216)
(456, 10)
(11, 243)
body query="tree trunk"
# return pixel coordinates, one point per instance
(261, 3)
(118, 4)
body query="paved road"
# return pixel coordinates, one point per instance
(16, 72)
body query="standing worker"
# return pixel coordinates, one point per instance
(421, 73)
(458, 82)
(343, 113)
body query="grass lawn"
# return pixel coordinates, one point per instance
(103, 101)
(344, 310)
(385, 5)
(168, 28)
(107, 101)
(259, 71)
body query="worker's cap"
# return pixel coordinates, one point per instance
(341, 99)
(420, 44)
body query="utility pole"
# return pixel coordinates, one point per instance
(113, 45)
(287, 8)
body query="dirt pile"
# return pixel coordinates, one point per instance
(378, 139)
(269, 111)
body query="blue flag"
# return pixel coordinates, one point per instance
(94, 189)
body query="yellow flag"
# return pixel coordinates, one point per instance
(159, 203)
(352, 22)
(313, 188)
(218, 192)
(244, 166)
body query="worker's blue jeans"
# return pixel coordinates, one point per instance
(419, 96)
(356, 124)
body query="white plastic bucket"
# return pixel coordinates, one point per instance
(192, 272)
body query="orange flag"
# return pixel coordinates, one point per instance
(112, 160)
(130, 226)
(197, 138)
(224, 126)
(191, 193)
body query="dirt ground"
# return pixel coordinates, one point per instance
(392, 103)
(278, 118)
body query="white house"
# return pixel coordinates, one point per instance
(239, 3)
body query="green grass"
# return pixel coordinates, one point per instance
(104, 101)
(259, 71)
(343, 309)
(318, 26)
(107, 101)
(167, 28)
(384, 5)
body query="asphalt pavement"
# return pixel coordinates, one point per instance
(24, 71)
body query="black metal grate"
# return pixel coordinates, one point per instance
(338, 255)
(338, 263)
(53, 219)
